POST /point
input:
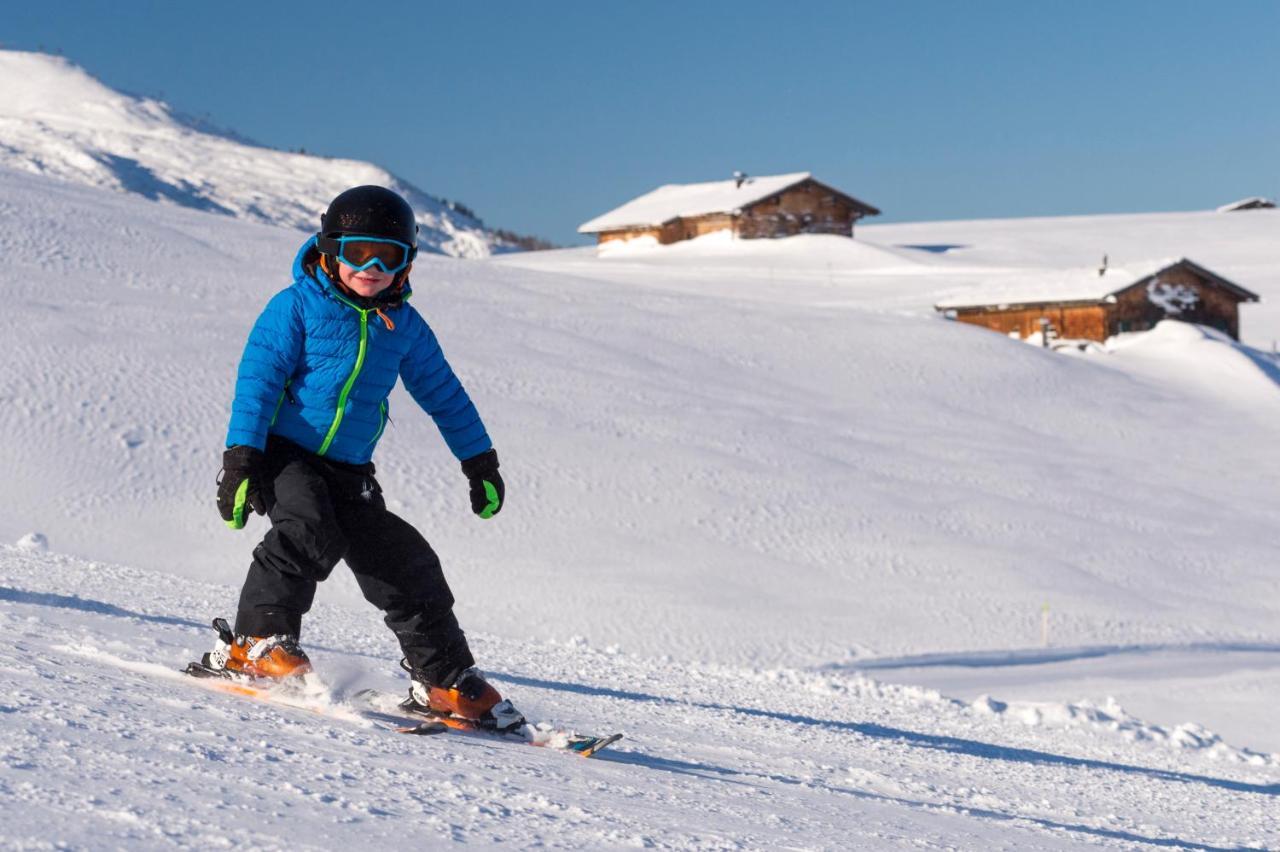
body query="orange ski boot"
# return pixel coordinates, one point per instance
(470, 697)
(277, 657)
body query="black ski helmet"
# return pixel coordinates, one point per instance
(372, 211)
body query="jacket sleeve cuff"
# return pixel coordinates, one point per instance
(478, 466)
(241, 437)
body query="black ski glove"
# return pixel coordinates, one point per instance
(240, 485)
(487, 490)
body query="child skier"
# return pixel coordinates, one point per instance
(310, 405)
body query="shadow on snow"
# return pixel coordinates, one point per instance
(87, 605)
(939, 742)
(1041, 656)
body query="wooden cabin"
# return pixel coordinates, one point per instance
(1100, 303)
(747, 207)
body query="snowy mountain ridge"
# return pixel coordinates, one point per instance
(58, 121)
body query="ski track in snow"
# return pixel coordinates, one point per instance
(99, 752)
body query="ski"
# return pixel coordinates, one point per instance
(421, 721)
(309, 694)
(385, 711)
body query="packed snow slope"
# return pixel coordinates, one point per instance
(57, 120)
(744, 478)
(104, 745)
(740, 477)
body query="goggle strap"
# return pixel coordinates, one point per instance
(328, 245)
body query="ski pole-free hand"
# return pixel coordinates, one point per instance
(240, 486)
(487, 489)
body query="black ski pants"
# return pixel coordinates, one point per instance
(323, 511)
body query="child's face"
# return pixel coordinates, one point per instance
(366, 282)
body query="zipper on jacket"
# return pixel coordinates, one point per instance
(351, 380)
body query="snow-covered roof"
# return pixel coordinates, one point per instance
(1256, 202)
(677, 200)
(1075, 285)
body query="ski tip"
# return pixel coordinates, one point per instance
(590, 749)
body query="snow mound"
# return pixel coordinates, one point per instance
(33, 542)
(1203, 360)
(57, 120)
(1109, 716)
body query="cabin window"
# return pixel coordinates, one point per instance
(828, 201)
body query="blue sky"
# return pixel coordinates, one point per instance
(542, 115)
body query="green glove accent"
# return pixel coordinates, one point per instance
(484, 484)
(495, 504)
(237, 513)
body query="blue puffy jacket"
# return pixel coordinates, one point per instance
(317, 370)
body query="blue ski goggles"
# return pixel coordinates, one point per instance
(361, 253)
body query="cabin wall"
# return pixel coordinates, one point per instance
(1177, 293)
(669, 233)
(692, 228)
(1078, 322)
(627, 234)
(806, 208)
(1137, 310)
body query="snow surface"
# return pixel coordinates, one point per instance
(106, 746)
(769, 515)
(58, 121)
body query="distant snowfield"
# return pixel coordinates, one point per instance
(738, 474)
